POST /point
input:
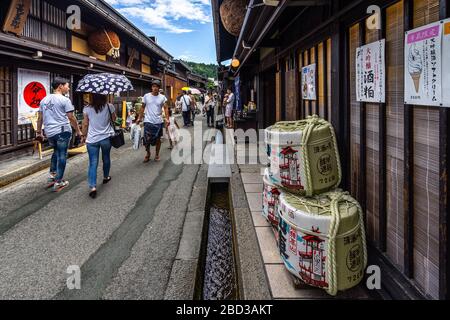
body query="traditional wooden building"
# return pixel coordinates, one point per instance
(42, 39)
(395, 156)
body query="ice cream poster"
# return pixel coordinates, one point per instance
(371, 72)
(446, 63)
(33, 86)
(309, 82)
(423, 56)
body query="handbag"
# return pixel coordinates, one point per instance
(118, 139)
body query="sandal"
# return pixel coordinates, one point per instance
(106, 180)
(147, 159)
(157, 159)
(93, 194)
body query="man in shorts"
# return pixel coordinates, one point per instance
(153, 105)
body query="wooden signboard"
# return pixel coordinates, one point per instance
(17, 16)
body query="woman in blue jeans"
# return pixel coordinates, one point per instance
(97, 130)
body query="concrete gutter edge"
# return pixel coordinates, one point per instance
(252, 278)
(21, 173)
(183, 277)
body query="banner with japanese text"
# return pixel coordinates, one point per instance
(33, 86)
(371, 72)
(423, 65)
(309, 82)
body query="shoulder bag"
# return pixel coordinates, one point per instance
(118, 139)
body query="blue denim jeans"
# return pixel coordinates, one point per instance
(60, 144)
(94, 151)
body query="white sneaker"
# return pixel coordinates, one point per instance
(57, 187)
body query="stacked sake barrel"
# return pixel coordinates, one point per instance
(321, 234)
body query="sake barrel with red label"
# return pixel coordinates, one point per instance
(322, 239)
(303, 156)
(271, 196)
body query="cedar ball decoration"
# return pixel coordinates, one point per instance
(232, 13)
(105, 42)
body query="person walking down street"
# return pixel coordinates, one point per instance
(172, 129)
(209, 106)
(97, 130)
(229, 108)
(193, 106)
(56, 113)
(186, 108)
(151, 113)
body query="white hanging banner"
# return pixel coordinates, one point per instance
(33, 86)
(423, 65)
(371, 72)
(309, 82)
(446, 63)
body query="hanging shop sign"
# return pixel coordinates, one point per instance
(17, 16)
(423, 65)
(446, 63)
(237, 93)
(33, 86)
(371, 72)
(309, 82)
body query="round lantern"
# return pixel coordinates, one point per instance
(232, 13)
(105, 42)
(235, 63)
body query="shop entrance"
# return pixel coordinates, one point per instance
(269, 97)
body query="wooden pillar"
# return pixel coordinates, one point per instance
(444, 187)
(408, 184)
(362, 126)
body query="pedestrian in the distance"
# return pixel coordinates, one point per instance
(98, 130)
(186, 108)
(229, 108)
(209, 106)
(153, 105)
(193, 106)
(56, 113)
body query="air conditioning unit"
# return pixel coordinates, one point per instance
(272, 3)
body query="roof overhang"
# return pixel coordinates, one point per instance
(225, 42)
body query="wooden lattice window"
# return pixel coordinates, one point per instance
(6, 116)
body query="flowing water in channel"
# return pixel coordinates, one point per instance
(218, 278)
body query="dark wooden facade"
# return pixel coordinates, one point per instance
(394, 156)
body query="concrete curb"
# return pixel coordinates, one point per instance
(252, 279)
(182, 282)
(23, 172)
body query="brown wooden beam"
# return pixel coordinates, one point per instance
(408, 183)
(444, 187)
(362, 135)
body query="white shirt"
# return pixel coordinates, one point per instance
(230, 101)
(100, 127)
(153, 108)
(186, 101)
(54, 108)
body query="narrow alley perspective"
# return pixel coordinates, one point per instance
(260, 154)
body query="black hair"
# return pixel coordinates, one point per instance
(58, 81)
(98, 102)
(170, 112)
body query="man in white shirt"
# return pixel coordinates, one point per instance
(152, 107)
(229, 109)
(186, 103)
(56, 115)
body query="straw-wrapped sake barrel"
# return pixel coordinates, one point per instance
(322, 239)
(303, 156)
(271, 196)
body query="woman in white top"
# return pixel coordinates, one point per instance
(97, 130)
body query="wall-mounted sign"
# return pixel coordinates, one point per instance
(33, 86)
(371, 72)
(423, 67)
(17, 16)
(446, 63)
(237, 93)
(309, 82)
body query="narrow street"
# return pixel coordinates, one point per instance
(125, 241)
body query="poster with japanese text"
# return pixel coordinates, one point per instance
(33, 86)
(371, 72)
(309, 82)
(446, 63)
(423, 56)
